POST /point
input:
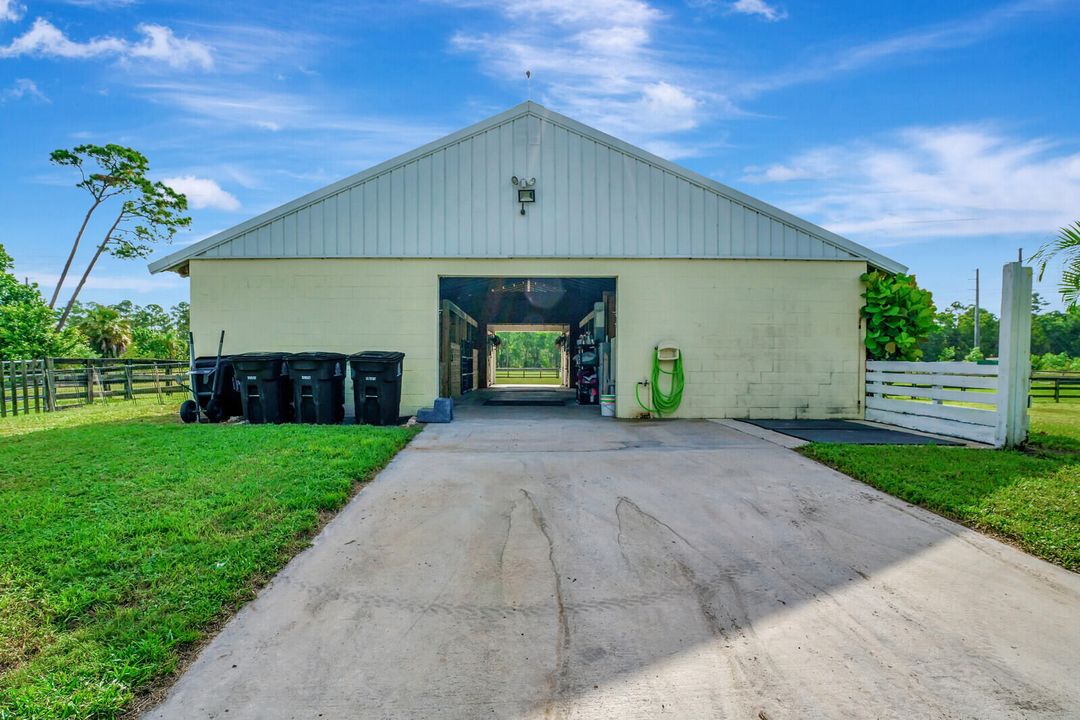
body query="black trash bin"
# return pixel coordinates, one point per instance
(376, 376)
(318, 380)
(265, 388)
(218, 398)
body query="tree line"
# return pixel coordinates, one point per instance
(528, 350)
(30, 329)
(1055, 335)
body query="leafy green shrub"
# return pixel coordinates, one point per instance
(156, 344)
(1051, 362)
(27, 325)
(899, 315)
(975, 355)
(947, 354)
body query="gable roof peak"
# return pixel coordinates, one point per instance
(618, 149)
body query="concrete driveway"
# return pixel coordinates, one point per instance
(541, 563)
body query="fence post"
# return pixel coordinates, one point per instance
(129, 386)
(37, 385)
(14, 388)
(25, 388)
(90, 383)
(157, 385)
(50, 384)
(45, 394)
(1014, 355)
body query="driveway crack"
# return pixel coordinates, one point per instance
(562, 640)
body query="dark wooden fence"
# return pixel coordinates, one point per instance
(51, 384)
(1056, 385)
(527, 373)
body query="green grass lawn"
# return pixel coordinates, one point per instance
(554, 382)
(125, 537)
(516, 378)
(1030, 497)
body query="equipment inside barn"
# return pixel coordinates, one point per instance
(595, 367)
(459, 355)
(586, 360)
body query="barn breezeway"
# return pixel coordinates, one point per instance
(580, 310)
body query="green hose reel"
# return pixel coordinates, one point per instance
(664, 402)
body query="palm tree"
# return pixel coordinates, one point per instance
(107, 330)
(1066, 247)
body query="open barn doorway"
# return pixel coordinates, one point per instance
(529, 355)
(557, 336)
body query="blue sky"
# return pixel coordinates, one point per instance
(941, 134)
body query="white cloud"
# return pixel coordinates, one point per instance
(933, 182)
(203, 192)
(11, 11)
(231, 106)
(23, 88)
(913, 43)
(598, 60)
(45, 39)
(759, 7)
(159, 43)
(247, 48)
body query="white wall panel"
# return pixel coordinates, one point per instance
(593, 200)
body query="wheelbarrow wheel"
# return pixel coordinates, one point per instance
(214, 412)
(189, 411)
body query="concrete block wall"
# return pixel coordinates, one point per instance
(332, 305)
(761, 338)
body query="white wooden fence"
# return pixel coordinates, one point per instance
(912, 395)
(995, 397)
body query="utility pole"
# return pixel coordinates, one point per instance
(976, 307)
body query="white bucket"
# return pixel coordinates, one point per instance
(607, 405)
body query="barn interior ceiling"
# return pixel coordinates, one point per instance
(513, 300)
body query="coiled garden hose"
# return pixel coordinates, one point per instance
(663, 403)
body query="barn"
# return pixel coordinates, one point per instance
(530, 219)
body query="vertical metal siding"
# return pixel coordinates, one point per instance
(316, 236)
(593, 200)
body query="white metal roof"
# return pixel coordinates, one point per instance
(596, 196)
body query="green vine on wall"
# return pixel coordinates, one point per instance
(899, 315)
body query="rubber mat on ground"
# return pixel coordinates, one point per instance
(845, 431)
(523, 402)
